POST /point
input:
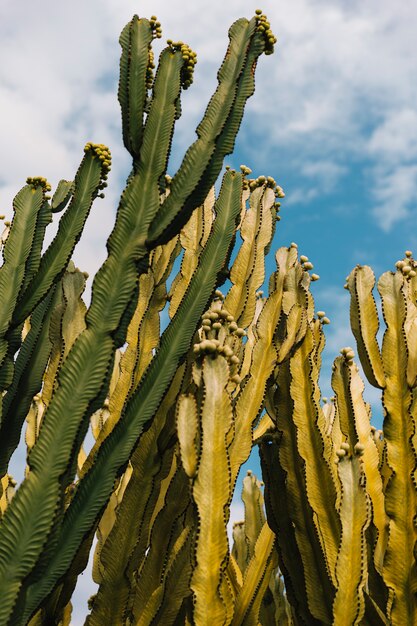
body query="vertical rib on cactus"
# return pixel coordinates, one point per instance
(142, 337)
(211, 493)
(135, 41)
(28, 372)
(297, 521)
(280, 511)
(263, 361)
(399, 570)
(248, 270)
(354, 422)
(256, 580)
(17, 249)
(193, 238)
(351, 564)
(365, 324)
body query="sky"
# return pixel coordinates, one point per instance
(333, 120)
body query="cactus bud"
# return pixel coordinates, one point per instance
(359, 449)
(303, 258)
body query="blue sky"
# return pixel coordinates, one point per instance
(333, 120)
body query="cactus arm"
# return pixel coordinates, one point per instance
(92, 492)
(410, 328)
(87, 184)
(167, 527)
(291, 552)
(355, 425)
(44, 218)
(62, 195)
(255, 580)
(256, 232)
(365, 324)
(141, 339)
(122, 545)
(309, 585)
(216, 133)
(187, 429)
(351, 565)
(309, 422)
(165, 602)
(254, 514)
(17, 250)
(265, 423)
(193, 238)
(73, 319)
(135, 41)
(263, 361)
(211, 493)
(400, 570)
(27, 379)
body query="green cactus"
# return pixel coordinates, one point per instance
(70, 362)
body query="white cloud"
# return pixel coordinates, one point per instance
(395, 194)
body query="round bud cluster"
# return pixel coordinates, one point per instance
(307, 265)
(359, 449)
(343, 450)
(264, 27)
(348, 354)
(189, 58)
(156, 27)
(219, 334)
(150, 68)
(407, 266)
(321, 315)
(38, 181)
(268, 181)
(245, 170)
(104, 155)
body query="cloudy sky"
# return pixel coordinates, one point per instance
(333, 119)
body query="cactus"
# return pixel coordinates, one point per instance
(66, 354)
(344, 514)
(174, 415)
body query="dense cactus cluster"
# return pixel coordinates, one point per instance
(329, 535)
